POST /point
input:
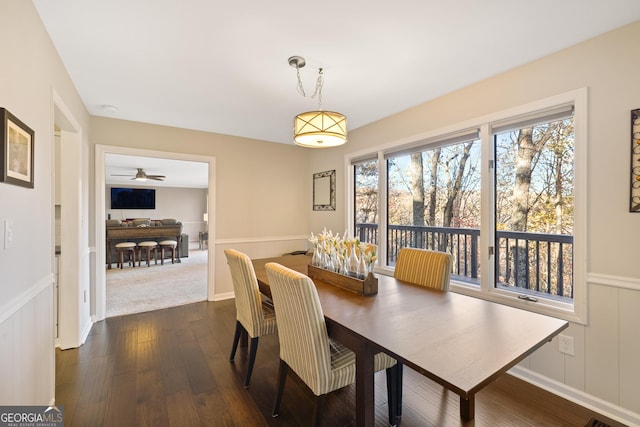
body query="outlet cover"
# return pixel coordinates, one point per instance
(566, 345)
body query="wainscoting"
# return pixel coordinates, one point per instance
(604, 373)
(27, 355)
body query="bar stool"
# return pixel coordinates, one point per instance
(148, 246)
(128, 247)
(169, 245)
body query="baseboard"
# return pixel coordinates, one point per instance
(579, 397)
(86, 330)
(222, 297)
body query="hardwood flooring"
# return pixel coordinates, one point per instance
(171, 368)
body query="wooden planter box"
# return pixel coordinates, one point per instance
(367, 286)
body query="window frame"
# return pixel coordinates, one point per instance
(576, 311)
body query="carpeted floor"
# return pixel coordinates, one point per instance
(140, 289)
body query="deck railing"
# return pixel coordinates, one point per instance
(534, 262)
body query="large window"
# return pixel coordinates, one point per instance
(366, 200)
(500, 195)
(534, 207)
(433, 202)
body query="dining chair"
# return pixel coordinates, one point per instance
(254, 311)
(322, 363)
(423, 267)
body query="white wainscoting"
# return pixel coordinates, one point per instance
(604, 372)
(265, 247)
(27, 353)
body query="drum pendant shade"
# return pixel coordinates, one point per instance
(320, 129)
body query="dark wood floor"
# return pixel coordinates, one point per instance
(170, 368)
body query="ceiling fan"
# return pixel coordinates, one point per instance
(141, 175)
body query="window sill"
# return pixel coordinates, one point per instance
(542, 306)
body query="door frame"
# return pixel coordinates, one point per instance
(72, 299)
(100, 202)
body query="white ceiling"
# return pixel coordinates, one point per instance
(222, 66)
(178, 173)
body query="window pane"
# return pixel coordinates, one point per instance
(366, 201)
(434, 203)
(534, 190)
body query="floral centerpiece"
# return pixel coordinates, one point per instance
(343, 255)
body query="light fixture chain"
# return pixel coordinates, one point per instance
(318, 90)
(300, 87)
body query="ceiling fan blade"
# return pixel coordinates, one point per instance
(141, 175)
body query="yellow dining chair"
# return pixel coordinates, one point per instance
(322, 363)
(254, 311)
(423, 267)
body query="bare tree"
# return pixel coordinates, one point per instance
(433, 188)
(366, 190)
(529, 143)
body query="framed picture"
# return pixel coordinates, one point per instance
(635, 161)
(16, 155)
(324, 191)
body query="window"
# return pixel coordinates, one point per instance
(366, 200)
(534, 206)
(499, 194)
(433, 202)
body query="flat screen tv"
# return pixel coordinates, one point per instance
(133, 198)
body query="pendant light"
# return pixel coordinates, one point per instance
(320, 128)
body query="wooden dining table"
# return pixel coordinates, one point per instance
(458, 341)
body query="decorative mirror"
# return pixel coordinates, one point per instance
(324, 191)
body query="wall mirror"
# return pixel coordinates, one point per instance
(324, 191)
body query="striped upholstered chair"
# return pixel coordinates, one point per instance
(425, 268)
(322, 363)
(254, 311)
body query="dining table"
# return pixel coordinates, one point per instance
(461, 342)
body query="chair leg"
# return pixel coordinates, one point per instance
(318, 411)
(253, 348)
(282, 377)
(397, 390)
(236, 340)
(392, 384)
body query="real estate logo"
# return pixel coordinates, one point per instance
(31, 416)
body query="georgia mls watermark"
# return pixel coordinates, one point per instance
(31, 416)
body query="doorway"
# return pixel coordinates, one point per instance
(100, 181)
(71, 251)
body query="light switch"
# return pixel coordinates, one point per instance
(8, 233)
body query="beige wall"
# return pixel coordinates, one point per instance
(184, 204)
(30, 73)
(262, 189)
(604, 373)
